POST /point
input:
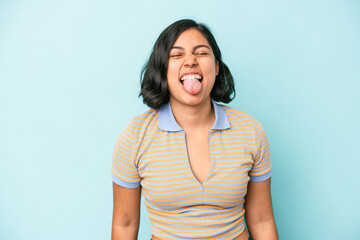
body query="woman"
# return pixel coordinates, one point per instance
(202, 167)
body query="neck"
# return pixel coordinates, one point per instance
(193, 117)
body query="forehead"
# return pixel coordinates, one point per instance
(190, 38)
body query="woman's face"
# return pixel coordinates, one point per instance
(191, 69)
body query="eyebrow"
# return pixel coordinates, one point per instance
(196, 47)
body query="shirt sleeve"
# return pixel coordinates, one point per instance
(261, 169)
(124, 170)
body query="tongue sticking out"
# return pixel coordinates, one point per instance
(192, 85)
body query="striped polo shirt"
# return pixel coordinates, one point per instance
(152, 152)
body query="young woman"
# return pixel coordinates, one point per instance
(202, 167)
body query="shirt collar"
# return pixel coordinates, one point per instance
(167, 120)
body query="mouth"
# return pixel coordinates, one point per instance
(191, 82)
(191, 76)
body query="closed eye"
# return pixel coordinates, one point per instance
(175, 55)
(201, 53)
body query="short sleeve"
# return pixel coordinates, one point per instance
(124, 170)
(261, 169)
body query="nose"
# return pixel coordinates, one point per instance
(190, 60)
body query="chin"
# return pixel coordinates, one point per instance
(192, 100)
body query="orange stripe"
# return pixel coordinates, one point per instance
(128, 179)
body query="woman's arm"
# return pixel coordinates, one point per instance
(126, 212)
(258, 211)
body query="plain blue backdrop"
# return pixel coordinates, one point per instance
(69, 73)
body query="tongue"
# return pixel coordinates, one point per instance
(192, 85)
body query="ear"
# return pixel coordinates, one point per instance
(217, 68)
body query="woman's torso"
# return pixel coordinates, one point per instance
(174, 188)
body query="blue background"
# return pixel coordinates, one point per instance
(69, 74)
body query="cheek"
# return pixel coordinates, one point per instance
(210, 69)
(172, 71)
(172, 74)
(208, 64)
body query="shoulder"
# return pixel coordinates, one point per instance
(244, 123)
(149, 115)
(237, 117)
(144, 121)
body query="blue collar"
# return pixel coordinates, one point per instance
(168, 123)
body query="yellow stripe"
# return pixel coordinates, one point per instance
(200, 228)
(232, 153)
(153, 180)
(169, 155)
(118, 171)
(126, 165)
(166, 162)
(189, 189)
(187, 217)
(161, 151)
(128, 129)
(128, 179)
(166, 170)
(222, 182)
